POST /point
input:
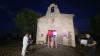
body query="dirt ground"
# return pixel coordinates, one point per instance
(38, 50)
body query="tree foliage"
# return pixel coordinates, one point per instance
(95, 25)
(26, 20)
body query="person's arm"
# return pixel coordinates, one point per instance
(94, 43)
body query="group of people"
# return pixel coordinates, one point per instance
(52, 42)
(52, 38)
(27, 40)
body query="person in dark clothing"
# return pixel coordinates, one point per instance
(91, 45)
(30, 41)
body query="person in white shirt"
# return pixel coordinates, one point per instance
(55, 38)
(25, 43)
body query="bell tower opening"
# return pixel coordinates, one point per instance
(52, 9)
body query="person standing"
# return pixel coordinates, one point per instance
(49, 38)
(30, 41)
(55, 38)
(25, 43)
(91, 45)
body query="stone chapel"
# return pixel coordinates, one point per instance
(55, 20)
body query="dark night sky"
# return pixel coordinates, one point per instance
(84, 10)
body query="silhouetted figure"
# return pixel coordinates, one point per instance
(91, 45)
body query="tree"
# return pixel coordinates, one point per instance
(26, 20)
(95, 25)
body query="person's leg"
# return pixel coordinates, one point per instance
(56, 42)
(52, 42)
(22, 53)
(24, 50)
(48, 41)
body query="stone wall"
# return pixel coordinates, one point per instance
(62, 23)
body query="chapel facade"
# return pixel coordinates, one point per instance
(55, 20)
